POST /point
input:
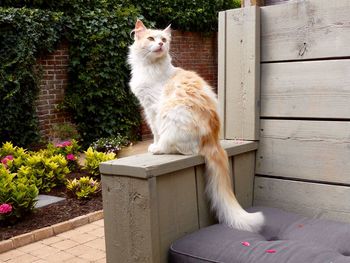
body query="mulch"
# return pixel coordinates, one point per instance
(55, 213)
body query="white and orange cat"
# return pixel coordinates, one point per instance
(181, 109)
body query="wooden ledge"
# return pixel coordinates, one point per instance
(148, 165)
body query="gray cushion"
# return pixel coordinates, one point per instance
(286, 238)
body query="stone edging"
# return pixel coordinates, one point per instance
(42, 233)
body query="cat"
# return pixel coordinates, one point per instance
(181, 110)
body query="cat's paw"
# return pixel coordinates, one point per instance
(153, 148)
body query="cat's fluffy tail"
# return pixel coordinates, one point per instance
(219, 190)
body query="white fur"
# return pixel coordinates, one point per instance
(175, 130)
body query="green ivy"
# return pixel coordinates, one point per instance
(186, 15)
(24, 34)
(98, 96)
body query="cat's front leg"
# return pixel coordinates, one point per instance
(154, 148)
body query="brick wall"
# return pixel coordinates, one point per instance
(193, 51)
(52, 86)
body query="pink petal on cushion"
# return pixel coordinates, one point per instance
(245, 243)
(270, 251)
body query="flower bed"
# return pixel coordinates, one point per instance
(54, 170)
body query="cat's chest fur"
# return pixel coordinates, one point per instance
(148, 83)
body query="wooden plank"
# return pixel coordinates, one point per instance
(177, 206)
(302, 89)
(148, 165)
(244, 165)
(242, 73)
(312, 150)
(205, 216)
(131, 222)
(305, 30)
(222, 71)
(310, 199)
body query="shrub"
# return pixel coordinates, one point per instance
(98, 95)
(17, 196)
(84, 187)
(12, 157)
(24, 34)
(93, 159)
(111, 144)
(199, 15)
(65, 131)
(45, 171)
(69, 149)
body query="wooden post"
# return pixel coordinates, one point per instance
(149, 201)
(245, 3)
(239, 73)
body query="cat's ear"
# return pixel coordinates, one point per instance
(139, 29)
(168, 30)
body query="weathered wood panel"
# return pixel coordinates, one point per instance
(205, 215)
(177, 206)
(310, 199)
(222, 71)
(305, 30)
(130, 213)
(313, 89)
(242, 76)
(243, 170)
(147, 165)
(312, 150)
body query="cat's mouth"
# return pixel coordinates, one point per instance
(158, 50)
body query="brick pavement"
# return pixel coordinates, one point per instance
(80, 245)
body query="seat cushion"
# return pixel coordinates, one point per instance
(285, 238)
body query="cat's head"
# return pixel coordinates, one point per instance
(151, 44)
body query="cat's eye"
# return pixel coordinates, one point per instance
(150, 38)
(164, 39)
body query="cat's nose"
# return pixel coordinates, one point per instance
(160, 43)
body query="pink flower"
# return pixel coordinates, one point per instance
(5, 208)
(59, 145)
(67, 143)
(270, 251)
(245, 243)
(6, 159)
(70, 157)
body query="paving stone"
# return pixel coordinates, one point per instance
(44, 200)
(43, 252)
(78, 250)
(97, 243)
(27, 258)
(11, 254)
(52, 240)
(98, 232)
(32, 247)
(65, 244)
(5, 245)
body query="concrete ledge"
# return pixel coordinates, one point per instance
(148, 165)
(39, 234)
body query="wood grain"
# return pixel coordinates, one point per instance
(242, 73)
(312, 150)
(313, 89)
(177, 206)
(305, 30)
(243, 170)
(309, 199)
(148, 165)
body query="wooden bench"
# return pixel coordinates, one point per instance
(284, 89)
